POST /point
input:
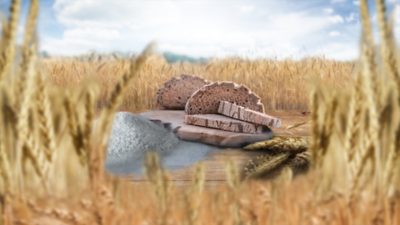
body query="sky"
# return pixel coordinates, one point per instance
(204, 28)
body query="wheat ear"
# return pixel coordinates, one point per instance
(354, 123)
(27, 45)
(8, 39)
(75, 129)
(369, 73)
(46, 127)
(388, 46)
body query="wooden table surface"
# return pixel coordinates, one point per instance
(215, 162)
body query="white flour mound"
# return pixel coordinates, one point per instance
(132, 136)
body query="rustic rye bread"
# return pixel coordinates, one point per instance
(241, 113)
(223, 123)
(206, 99)
(176, 91)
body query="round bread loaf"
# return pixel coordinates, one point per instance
(206, 99)
(176, 91)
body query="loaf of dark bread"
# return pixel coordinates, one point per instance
(206, 99)
(176, 91)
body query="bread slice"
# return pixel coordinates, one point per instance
(248, 115)
(206, 99)
(176, 91)
(223, 123)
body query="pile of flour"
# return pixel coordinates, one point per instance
(133, 136)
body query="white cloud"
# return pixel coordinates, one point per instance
(334, 33)
(328, 10)
(337, 1)
(199, 28)
(338, 50)
(246, 8)
(356, 2)
(351, 17)
(336, 19)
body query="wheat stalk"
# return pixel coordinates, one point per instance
(45, 120)
(27, 46)
(196, 193)
(8, 38)
(315, 127)
(159, 182)
(46, 128)
(75, 129)
(328, 129)
(354, 122)
(89, 118)
(371, 99)
(5, 169)
(388, 46)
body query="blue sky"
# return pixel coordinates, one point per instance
(249, 28)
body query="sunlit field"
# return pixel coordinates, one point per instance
(56, 115)
(282, 85)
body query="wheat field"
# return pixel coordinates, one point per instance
(56, 115)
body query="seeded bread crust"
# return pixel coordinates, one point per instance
(206, 99)
(176, 91)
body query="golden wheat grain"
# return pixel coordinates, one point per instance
(46, 128)
(281, 144)
(354, 119)
(8, 38)
(87, 128)
(388, 46)
(372, 101)
(27, 50)
(264, 165)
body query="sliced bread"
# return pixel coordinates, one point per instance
(223, 123)
(241, 113)
(206, 99)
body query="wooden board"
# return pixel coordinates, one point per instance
(174, 120)
(215, 162)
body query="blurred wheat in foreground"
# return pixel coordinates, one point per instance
(52, 151)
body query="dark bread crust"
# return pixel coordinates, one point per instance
(206, 99)
(176, 91)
